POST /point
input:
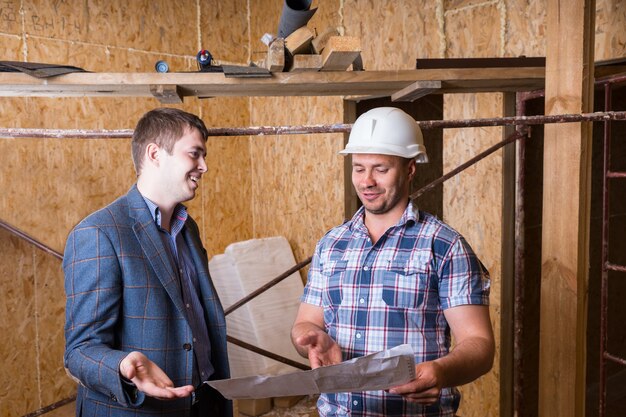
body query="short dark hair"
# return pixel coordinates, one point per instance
(163, 126)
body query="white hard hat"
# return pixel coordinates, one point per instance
(387, 131)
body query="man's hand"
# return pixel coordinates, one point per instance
(426, 387)
(151, 379)
(321, 349)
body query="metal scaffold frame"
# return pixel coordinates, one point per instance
(520, 121)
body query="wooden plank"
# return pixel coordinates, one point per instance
(416, 90)
(566, 202)
(340, 52)
(275, 59)
(306, 63)
(299, 41)
(338, 83)
(167, 94)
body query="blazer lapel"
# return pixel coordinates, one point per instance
(153, 248)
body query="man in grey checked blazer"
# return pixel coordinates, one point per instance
(144, 327)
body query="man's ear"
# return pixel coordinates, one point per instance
(412, 168)
(152, 153)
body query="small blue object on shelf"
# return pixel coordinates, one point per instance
(161, 66)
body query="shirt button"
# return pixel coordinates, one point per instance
(187, 346)
(194, 340)
(358, 335)
(355, 402)
(187, 305)
(362, 300)
(366, 268)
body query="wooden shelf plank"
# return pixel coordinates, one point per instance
(331, 83)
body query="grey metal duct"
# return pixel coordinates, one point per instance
(295, 14)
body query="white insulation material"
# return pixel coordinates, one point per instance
(266, 320)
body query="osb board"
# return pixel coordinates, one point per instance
(18, 368)
(228, 32)
(50, 296)
(394, 33)
(298, 179)
(610, 36)
(10, 18)
(473, 206)
(223, 206)
(148, 25)
(526, 28)
(474, 31)
(102, 58)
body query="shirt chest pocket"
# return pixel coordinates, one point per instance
(404, 285)
(334, 272)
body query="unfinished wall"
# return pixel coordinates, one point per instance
(255, 187)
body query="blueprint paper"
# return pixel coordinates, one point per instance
(377, 371)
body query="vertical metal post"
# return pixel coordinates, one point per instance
(605, 251)
(518, 305)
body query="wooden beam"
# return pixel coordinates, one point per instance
(299, 41)
(329, 83)
(167, 94)
(340, 52)
(416, 90)
(566, 202)
(306, 63)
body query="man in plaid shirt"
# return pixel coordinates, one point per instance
(393, 275)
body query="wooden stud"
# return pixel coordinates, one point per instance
(167, 94)
(299, 41)
(416, 90)
(306, 63)
(340, 52)
(566, 209)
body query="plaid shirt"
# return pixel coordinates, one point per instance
(376, 297)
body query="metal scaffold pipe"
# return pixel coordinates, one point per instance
(320, 128)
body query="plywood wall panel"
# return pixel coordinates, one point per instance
(10, 18)
(394, 33)
(526, 28)
(18, 328)
(225, 29)
(473, 206)
(610, 33)
(50, 324)
(160, 25)
(101, 57)
(471, 32)
(224, 201)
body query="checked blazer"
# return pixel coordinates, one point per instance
(124, 295)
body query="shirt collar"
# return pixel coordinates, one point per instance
(411, 214)
(179, 217)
